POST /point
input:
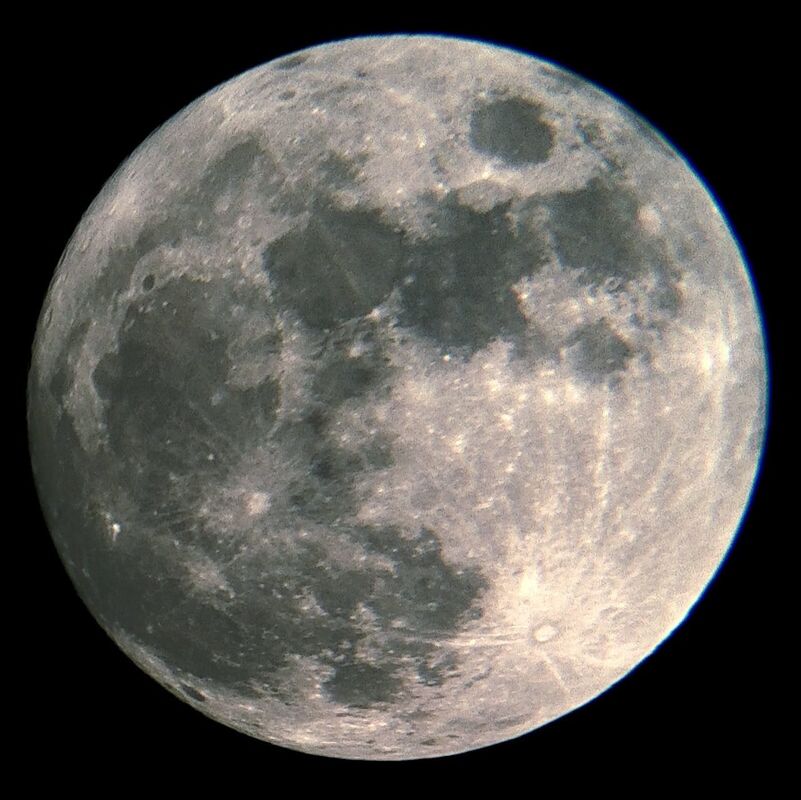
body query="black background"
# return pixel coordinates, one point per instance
(705, 703)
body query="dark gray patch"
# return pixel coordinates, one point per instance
(290, 62)
(377, 453)
(333, 97)
(422, 589)
(455, 286)
(270, 624)
(197, 208)
(189, 691)
(159, 385)
(263, 627)
(160, 232)
(324, 492)
(268, 343)
(590, 132)
(351, 362)
(343, 378)
(341, 597)
(459, 286)
(288, 94)
(336, 171)
(598, 351)
(512, 129)
(148, 282)
(513, 721)
(62, 376)
(361, 685)
(228, 171)
(184, 629)
(60, 468)
(534, 346)
(428, 596)
(595, 230)
(138, 585)
(666, 295)
(340, 266)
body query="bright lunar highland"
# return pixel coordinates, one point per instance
(397, 397)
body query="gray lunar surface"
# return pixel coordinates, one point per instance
(397, 397)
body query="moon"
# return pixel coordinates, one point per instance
(397, 397)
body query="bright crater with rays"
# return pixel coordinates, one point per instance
(397, 397)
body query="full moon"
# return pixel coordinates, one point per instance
(397, 397)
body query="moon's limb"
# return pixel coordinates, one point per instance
(405, 420)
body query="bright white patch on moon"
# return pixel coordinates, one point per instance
(397, 397)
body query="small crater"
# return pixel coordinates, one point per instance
(545, 633)
(286, 95)
(116, 277)
(513, 130)
(148, 282)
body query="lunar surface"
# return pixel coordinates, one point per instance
(397, 397)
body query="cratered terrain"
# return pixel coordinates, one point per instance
(397, 397)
